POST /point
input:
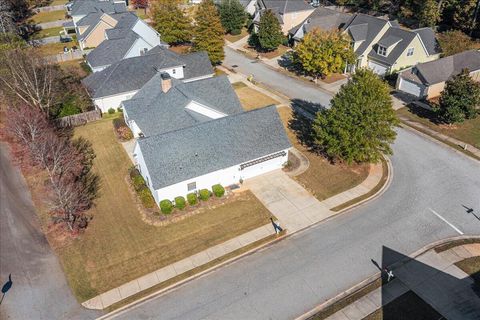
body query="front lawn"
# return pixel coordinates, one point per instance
(323, 179)
(48, 16)
(280, 51)
(471, 266)
(468, 131)
(118, 246)
(251, 98)
(235, 38)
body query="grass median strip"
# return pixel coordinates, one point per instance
(119, 246)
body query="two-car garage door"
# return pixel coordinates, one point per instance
(410, 87)
(377, 68)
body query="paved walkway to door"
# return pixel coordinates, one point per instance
(295, 207)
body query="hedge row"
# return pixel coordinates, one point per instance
(141, 188)
(166, 206)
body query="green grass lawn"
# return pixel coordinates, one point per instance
(408, 306)
(118, 246)
(468, 131)
(251, 98)
(50, 32)
(48, 16)
(323, 179)
(54, 48)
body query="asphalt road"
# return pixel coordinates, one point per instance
(423, 204)
(39, 289)
(284, 84)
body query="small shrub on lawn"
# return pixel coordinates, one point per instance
(204, 194)
(111, 111)
(133, 172)
(119, 109)
(180, 203)
(166, 206)
(218, 190)
(146, 197)
(192, 199)
(138, 182)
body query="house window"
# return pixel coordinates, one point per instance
(410, 52)
(382, 51)
(174, 71)
(192, 186)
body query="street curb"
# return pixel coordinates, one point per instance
(180, 283)
(376, 276)
(417, 131)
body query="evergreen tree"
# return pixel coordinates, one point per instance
(359, 125)
(171, 22)
(324, 52)
(208, 31)
(429, 14)
(232, 15)
(270, 34)
(460, 100)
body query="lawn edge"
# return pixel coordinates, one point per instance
(370, 280)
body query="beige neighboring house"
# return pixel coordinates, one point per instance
(385, 47)
(427, 80)
(290, 13)
(91, 28)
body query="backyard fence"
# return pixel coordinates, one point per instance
(67, 56)
(79, 119)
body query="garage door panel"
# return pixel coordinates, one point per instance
(411, 87)
(377, 68)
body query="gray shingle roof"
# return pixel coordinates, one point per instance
(133, 73)
(156, 112)
(213, 145)
(393, 34)
(429, 40)
(389, 41)
(443, 69)
(111, 51)
(366, 28)
(323, 18)
(125, 21)
(84, 7)
(287, 6)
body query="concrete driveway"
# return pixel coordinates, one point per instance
(39, 290)
(294, 206)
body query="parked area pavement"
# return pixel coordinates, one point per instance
(434, 278)
(39, 289)
(295, 207)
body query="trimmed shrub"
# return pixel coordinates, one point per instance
(204, 194)
(166, 206)
(111, 111)
(192, 199)
(138, 182)
(218, 190)
(146, 197)
(180, 203)
(133, 172)
(119, 109)
(124, 133)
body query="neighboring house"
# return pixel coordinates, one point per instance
(197, 136)
(120, 81)
(427, 80)
(385, 47)
(290, 13)
(91, 29)
(78, 9)
(165, 104)
(322, 18)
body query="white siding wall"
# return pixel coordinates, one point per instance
(138, 48)
(76, 19)
(140, 161)
(204, 110)
(225, 177)
(97, 69)
(114, 102)
(147, 33)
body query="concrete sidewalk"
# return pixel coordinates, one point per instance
(441, 136)
(426, 277)
(115, 295)
(294, 206)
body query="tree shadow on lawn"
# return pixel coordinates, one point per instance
(429, 115)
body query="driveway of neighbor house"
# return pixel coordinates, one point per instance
(39, 289)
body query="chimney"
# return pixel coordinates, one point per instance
(166, 82)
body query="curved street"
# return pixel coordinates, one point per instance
(424, 203)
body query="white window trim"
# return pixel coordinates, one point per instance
(410, 52)
(382, 51)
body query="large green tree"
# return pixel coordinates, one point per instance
(232, 15)
(269, 34)
(174, 26)
(208, 31)
(429, 13)
(324, 52)
(359, 126)
(460, 100)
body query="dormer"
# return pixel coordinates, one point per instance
(386, 45)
